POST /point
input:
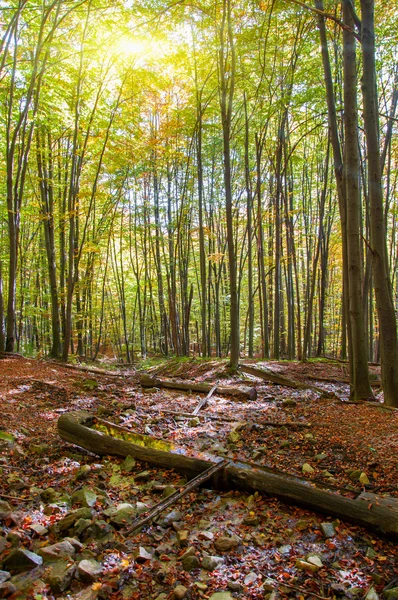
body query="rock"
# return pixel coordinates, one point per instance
(81, 525)
(328, 530)
(189, 552)
(143, 476)
(168, 491)
(7, 437)
(210, 563)
(128, 464)
(207, 536)
(355, 474)
(268, 585)
(221, 596)
(225, 543)
(22, 560)
(98, 530)
(284, 550)
(250, 520)
(60, 577)
(372, 594)
(14, 538)
(5, 509)
(320, 457)
(56, 552)
(121, 514)
(167, 520)
(49, 495)
(180, 592)
(190, 563)
(233, 437)
(70, 519)
(38, 529)
(250, 578)
(7, 589)
(307, 566)
(141, 555)
(78, 546)
(235, 586)
(363, 478)
(83, 472)
(4, 576)
(85, 497)
(39, 449)
(182, 537)
(289, 402)
(314, 559)
(391, 594)
(89, 570)
(306, 468)
(202, 587)
(3, 544)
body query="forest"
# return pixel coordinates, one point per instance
(198, 299)
(217, 179)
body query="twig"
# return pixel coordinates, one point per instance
(203, 401)
(188, 487)
(16, 498)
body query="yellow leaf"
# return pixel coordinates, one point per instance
(125, 563)
(96, 586)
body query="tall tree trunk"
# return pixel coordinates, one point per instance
(382, 282)
(360, 384)
(227, 82)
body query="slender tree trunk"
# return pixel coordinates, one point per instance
(360, 384)
(382, 283)
(227, 83)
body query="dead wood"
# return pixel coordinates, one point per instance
(204, 401)
(191, 386)
(188, 487)
(92, 370)
(234, 420)
(276, 378)
(367, 509)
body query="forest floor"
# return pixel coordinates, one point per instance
(277, 550)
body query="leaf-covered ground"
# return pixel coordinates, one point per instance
(210, 542)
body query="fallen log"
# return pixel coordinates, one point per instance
(213, 417)
(85, 369)
(281, 380)
(368, 510)
(191, 386)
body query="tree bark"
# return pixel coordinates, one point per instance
(227, 93)
(360, 385)
(381, 276)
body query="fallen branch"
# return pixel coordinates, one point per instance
(84, 369)
(232, 420)
(188, 487)
(204, 401)
(367, 509)
(191, 386)
(281, 380)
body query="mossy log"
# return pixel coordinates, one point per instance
(250, 393)
(368, 510)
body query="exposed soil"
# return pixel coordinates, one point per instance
(347, 445)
